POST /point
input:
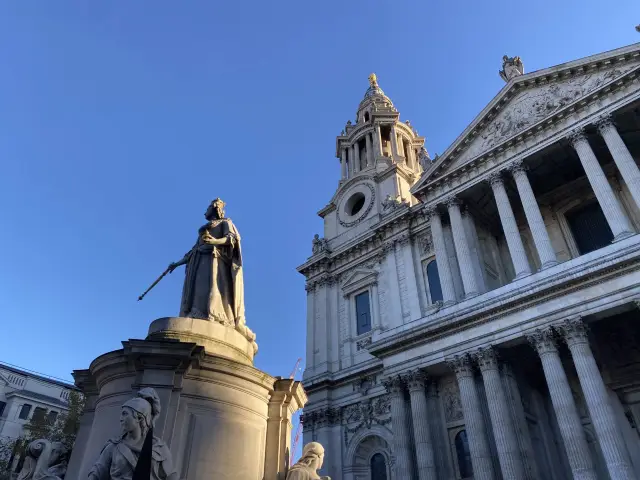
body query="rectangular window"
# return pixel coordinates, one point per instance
(39, 414)
(2, 406)
(24, 411)
(363, 313)
(51, 417)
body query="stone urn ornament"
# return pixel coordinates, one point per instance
(137, 454)
(311, 461)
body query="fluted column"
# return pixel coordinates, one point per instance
(438, 438)
(463, 250)
(503, 429)
(411, 158)
(352, 156)
(534, 217)
(356, 156)
(614, 451)
(343, 163)
(416, 381)
(473, 419)
(564, 406)
(401, 439)
(510, 228)
(621, 155)
(442, 259)
(613, 212)
(369, 149)
(394, 143)
(377, 139)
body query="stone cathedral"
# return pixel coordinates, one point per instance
(477, 314)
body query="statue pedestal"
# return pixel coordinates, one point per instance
(221, 417)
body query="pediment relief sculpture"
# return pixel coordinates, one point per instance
(534, 104)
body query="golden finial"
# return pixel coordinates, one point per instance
(373, 80)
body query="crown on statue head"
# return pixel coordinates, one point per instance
(218, 203)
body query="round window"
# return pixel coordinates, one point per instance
(355, 203)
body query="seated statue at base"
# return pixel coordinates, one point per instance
(311, 461)
(120, 457)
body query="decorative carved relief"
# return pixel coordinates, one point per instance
(364, 383)
(534, 104)
(451, 400)
(366, 413)
(363, 343)
(426, 243)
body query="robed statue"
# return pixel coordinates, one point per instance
(136, 453)
(311, 461)
(213, 285)
(45, 460)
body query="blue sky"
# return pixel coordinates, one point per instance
(120, 121)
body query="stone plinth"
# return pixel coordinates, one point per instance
(217, 339)
(221, 417)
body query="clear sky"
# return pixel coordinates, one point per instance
(120, 121)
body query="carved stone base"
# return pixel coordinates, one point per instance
(220, 417)
(217, 339)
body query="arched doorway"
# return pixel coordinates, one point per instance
(371, 459)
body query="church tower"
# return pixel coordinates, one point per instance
(381, 158)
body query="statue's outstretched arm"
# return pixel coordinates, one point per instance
(183, 261)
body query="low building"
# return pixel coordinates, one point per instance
(24, 394)
(475, 315)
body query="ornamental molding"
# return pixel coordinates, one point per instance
(361, 215)
(533, 103)
(365, 415)
(358, 279)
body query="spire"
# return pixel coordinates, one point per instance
(374, 90)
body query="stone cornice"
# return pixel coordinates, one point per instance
(528, 81)
(520, 298)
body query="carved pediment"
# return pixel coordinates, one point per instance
(529, 100)
(358, 279)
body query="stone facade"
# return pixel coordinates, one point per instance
(475, 315)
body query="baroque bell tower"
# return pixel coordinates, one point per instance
(380, 157)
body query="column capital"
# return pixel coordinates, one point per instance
(495, 178)
(604, 122)
(452, 201)
(487, 358)
(577, 136)
(430, 210)
(517, 167)
(573, 331)
(543, 340)
(394, 385)
(462, 365)
(416, 380)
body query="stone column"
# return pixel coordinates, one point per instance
(474, 422)
(369, 149)
(400, 143)
(621, 155)
(343, 163)
(416, 381)
(436, 425)
(378, 141)
(401, 438)
(503, 429)
(442, 259)
(534, 217)
(615, 453)
(411, 159)
(607, 199)
(573, 437)
(356, 156)
(394, 143)
(510, 228)
(463, 251)
(352, 156)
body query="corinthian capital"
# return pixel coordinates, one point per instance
(429, 211)
(517, 167)
(462, 365)
(543, 340)
(495, 179)
(604, 122)
(487, 358)
(453, 201)
(577, 136)
(573, 331)
(394, 385)
(416, 380)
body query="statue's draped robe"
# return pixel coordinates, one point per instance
(302, 472)
(118, 460)
(213, 285)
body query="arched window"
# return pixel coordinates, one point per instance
(434, 282)
(378, 467)
(366, 116)
(463, 454)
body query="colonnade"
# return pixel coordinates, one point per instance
(607, 199)
(505, 433)
(351, 157)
